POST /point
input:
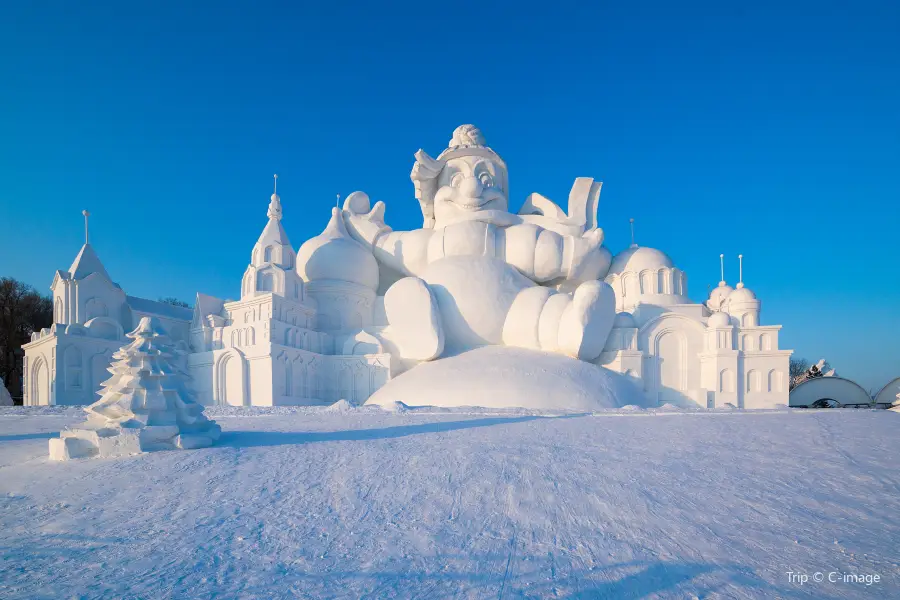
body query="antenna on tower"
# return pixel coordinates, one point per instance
(722, 267)
(633, 245)
(740, 271)
(86, 215)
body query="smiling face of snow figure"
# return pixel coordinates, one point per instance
(469, 184)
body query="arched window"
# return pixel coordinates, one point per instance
(775, 381)
(267, 255)
(646, 283)
(746, 342)
(264, 282)
(288, 379)
(754, 381)
(59, 311)
(726, 381)
(74, 365)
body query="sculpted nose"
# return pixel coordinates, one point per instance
(470, 187)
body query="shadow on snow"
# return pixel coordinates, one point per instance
(245, 439)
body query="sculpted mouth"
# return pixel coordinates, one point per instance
(470, 203)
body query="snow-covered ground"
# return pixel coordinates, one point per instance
(312, 503)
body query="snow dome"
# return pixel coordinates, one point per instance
(719, 295)
(334, 255)
(741, 294)
(638, 258)
(646, 275)
(718, 319)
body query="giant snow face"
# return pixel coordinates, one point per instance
(469, 184)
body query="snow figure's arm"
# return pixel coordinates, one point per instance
(404, 251)
(543, 255)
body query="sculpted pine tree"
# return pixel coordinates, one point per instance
(145, 405)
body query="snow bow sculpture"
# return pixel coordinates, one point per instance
(476, 274)
(144, 406)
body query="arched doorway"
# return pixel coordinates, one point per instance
(40, 384)
(230, 381)
(825, 403)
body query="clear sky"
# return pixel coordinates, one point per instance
(770, 129)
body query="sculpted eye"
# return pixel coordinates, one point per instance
(456, 179)
(486, 179)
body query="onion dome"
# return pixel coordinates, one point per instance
(334, 255)
(718, 320)
(638, 258)
(718, 296)
(741, 294)
(624, 320)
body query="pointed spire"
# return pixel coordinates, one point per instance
(86, 237)
(338, 201)
(722, 269)
(633, 245)
(740, 271)
(275, 203)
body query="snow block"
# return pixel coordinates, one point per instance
(152, 435)
(125, 442)
(70, 447)
(189, 441)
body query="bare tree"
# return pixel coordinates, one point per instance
(797, 370)
(22, 311)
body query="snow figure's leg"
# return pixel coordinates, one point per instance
(412, 313)
(521, 327)
(577, 325)
(585, 324)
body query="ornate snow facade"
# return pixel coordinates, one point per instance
(708, 355)
(66, 362)
(298, 334)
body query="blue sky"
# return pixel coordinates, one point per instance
(770, 129)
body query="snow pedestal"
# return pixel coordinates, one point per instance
(501, 377)
(144, 406)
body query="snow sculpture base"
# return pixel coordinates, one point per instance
(502, 377)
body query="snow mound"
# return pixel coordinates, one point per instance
(501, 377)
(341, 406)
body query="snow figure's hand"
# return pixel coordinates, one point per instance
(587, 259)
(363, 223)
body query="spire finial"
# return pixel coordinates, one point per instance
(274, 211)
(740, 271)
(722, 268)
(86, 215)
(633, 245)
(338, 201)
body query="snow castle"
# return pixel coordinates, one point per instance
(355, 311)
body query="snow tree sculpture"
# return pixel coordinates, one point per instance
(145, 405)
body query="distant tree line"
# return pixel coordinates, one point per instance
(22, 311)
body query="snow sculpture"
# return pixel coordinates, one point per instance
(476, 274)
(144, 406)
(5, 398)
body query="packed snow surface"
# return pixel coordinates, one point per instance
(498, 376)
(437, 503)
